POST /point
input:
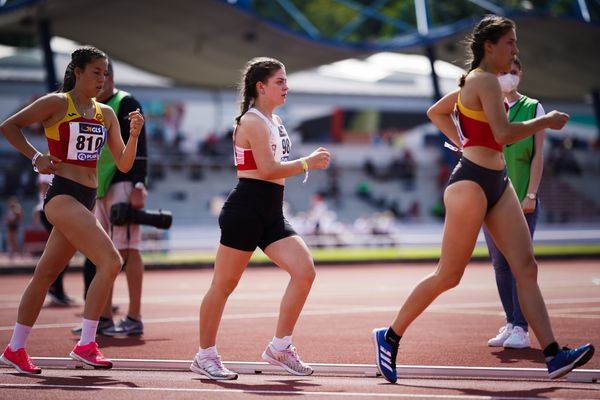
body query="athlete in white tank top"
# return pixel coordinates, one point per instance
(279, 139)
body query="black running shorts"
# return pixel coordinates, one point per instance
(59, 185)
(253, 216)
(493, 182)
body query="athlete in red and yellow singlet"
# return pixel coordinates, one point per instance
(75, 139)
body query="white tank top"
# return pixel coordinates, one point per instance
(278, 138)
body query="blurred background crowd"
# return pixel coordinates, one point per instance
(365, 100)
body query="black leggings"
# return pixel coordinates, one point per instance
(493, 182)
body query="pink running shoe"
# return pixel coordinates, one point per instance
(90, 355)
(20, 361)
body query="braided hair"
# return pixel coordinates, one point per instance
(259, 69)
(80, 58)
(490, 28)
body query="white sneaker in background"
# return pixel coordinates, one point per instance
(500, 338)
(518, 339)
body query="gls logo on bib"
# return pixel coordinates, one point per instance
(90, 128)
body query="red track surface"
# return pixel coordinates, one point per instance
(345, 305)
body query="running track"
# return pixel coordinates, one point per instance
(344, 306)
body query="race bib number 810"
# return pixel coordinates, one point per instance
(85, 141)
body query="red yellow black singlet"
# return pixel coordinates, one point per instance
(475, 128)
(75, 139)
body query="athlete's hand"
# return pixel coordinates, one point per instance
(528, 205)
(46, 164)
(557, 119)
(318, 159)
(136, 122)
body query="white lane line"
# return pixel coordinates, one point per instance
(266, 392)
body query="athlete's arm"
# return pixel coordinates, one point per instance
(253, 133)
(537, 166)
(490, 95)
(42, 110)
(124, 155)
(439, 114)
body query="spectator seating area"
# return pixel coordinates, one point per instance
(349, 198)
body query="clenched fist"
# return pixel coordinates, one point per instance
(318, 159)
(557, 119)
(136, 122)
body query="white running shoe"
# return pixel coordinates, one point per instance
(288, 359)
(212, 367)
(518, 339)
(500, 338)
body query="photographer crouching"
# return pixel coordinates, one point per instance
(116, 187)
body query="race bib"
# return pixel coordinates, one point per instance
(85, 141)
(284, 145)
(456, 120)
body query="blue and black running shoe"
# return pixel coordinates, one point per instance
(385, 354)
(568, 359)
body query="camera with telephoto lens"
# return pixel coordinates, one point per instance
(123, 213)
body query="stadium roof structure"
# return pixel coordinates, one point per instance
(24, 64)
(206, 43)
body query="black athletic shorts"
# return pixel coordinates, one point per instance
(253, 216)
(493, 182)
(59, 185)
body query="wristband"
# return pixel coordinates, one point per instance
(304, 169)
(34, 159)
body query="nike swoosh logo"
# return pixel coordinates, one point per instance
(72, 114)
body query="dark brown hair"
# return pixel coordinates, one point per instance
(258, 69)
(490, 28)
(80, 58)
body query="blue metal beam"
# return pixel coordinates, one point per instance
(583, 9)
(422, 18)
(491, 7)
(369, 11)
(356, 22)
(6, 7)
(406, 34)
(308, 27)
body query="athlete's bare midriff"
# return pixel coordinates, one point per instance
(485, 157)
(82, 175)
(253, 174)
